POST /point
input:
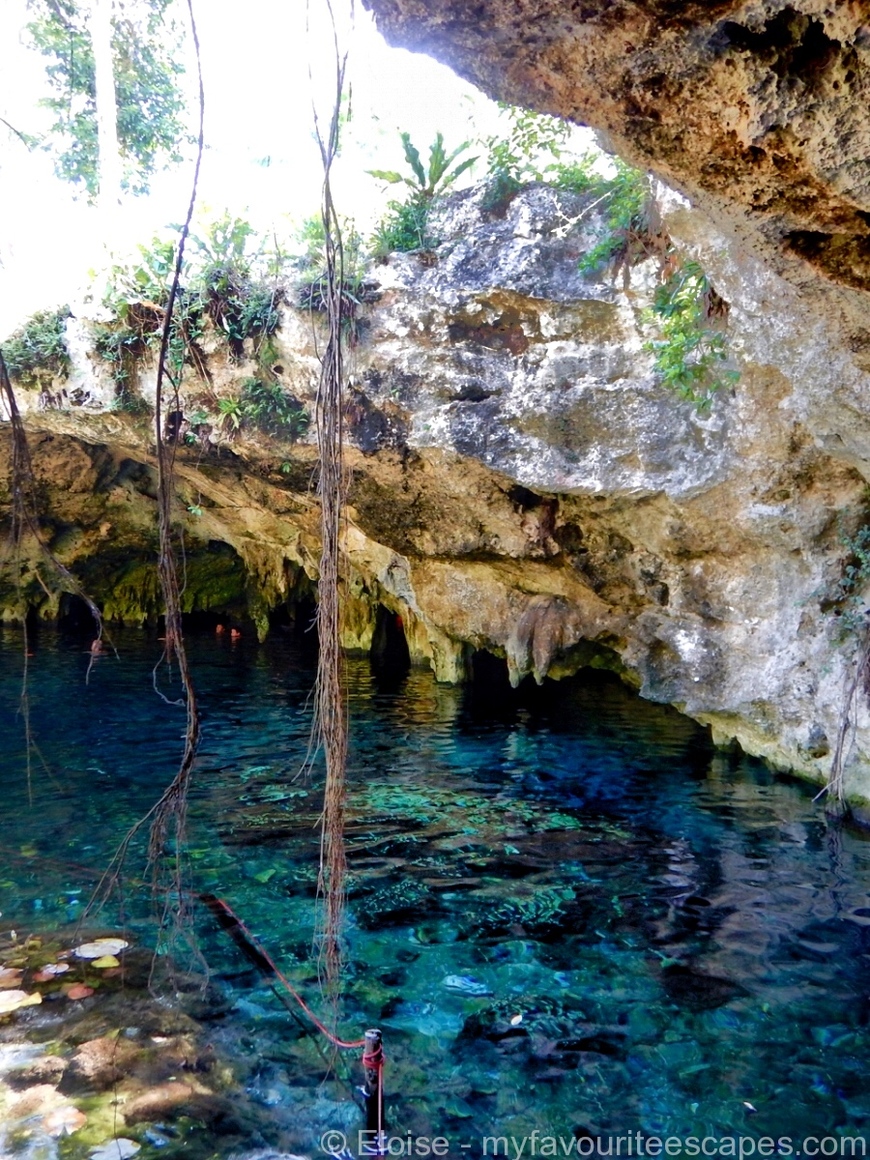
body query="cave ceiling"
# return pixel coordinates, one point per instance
(758, 112)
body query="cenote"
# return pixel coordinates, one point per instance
(567, 911)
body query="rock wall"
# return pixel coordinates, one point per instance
(520, 483)
(755, 108)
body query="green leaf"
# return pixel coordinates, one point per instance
(437, 160)
(460, 169)
(412, 156)
(388, 175)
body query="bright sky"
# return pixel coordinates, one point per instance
(261, 160)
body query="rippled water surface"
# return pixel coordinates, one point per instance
(566, 910)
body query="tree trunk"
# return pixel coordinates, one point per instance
(107, 113)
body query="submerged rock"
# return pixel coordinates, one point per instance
(699, 991)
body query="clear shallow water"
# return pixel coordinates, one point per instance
(679, 931)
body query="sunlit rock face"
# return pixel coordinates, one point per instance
(756, 109)
(757, 112)
(520, 481)
(712, 539)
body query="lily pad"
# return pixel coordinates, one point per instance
(100, 947)
(10, 977)
(64, 1121)
(77, 991)
(105, 961)
(264, 876)
(49, 971)
(14, 1000)
(118, 1149)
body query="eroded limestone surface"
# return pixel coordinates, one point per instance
(521, 483)
(755, 108)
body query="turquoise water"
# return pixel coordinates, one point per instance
(567, 911)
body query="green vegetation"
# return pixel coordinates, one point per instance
(514, 159)
(148, 93)
(229, 281)
(312, 266)
(533, 149)
(271, 409)
(691, 346)
(241, 302)
(625, 200)
(36, 352)
(266, 406)
(405, 227)
(847, 600)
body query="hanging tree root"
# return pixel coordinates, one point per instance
(858, 683)
(330, 711)
(167, 818)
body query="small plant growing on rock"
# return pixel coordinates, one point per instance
(627, 210)
(406, 224)
(270, 408)
(355, 290)
(36, 353)
(240, 303)
(266, 406)
(847, 598)
(223, 283)
(691, 346)
(514, 159)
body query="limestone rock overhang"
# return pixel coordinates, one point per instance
(755, 110)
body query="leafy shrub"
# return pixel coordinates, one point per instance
(137, 295)
(403, 229)
(691, 347)
(239, 300)
(514, 158)
(625, 198)
(847, 598)
(271, 409)
(264, 405)
(313, 289)
(223, 280)
(427, 183)
(36, 353)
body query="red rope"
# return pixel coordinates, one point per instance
(262, 960)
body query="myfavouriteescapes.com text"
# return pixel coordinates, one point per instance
(628, 1145)
(637, 1144)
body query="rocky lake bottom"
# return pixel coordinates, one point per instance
(567, 912)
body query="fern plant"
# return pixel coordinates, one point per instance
(406, 225)
(424, 183)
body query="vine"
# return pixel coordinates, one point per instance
(330, 723)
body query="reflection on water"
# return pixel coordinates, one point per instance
(566, 910)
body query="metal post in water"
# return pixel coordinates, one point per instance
(373, 1062)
